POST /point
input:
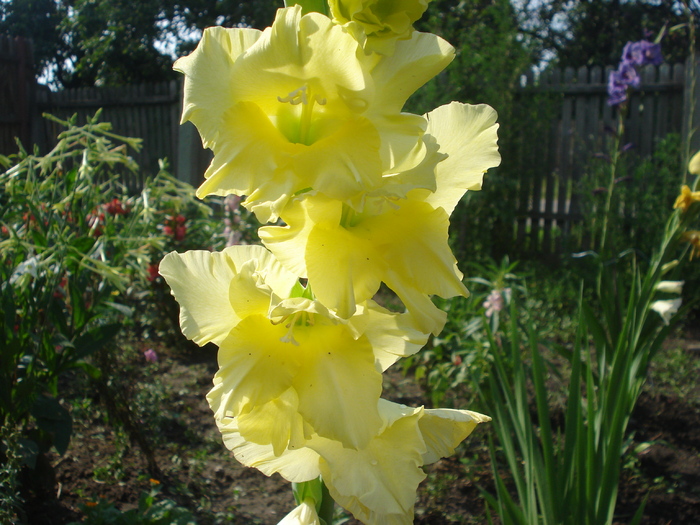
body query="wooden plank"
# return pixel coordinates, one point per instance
(516, 156)
(594, 112)
(173, 131)
(566, 130)
(647, 113)
(633, 123)
(661, 128)
(544, 163)
(549, 195)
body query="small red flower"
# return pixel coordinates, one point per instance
(152, 272)
(115, 207)
(175, 227)
(180, 232)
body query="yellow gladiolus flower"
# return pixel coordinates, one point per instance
(377, 24)
(283, 353)
(299, 106)
(378, 482)
(686, 198)
(403, 243)
(345, 260)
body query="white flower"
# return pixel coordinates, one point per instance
(304, 514)
(670, 286)
(666, 308)
(28, 267)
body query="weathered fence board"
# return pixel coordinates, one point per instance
(547, 162)
(147, 111)
(547, 207)
(16, 92)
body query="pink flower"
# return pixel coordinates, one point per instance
(151, 355)
(494, 302)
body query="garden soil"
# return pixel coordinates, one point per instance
(191, 466)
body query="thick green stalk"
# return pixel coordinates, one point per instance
(325, 511)
(315, 493)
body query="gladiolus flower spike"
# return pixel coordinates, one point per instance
(305, 122)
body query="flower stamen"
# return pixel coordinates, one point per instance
(307, 100)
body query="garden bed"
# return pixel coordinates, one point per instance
(197, 472)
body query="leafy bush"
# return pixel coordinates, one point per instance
(78, 262)
(462, 350)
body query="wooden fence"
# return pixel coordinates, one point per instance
(552, 160)
(558, 123)
(16, 92)
(147, 111)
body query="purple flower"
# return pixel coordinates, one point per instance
(151, 355)
(634, 56)
(628, 75)
(642, 53)
(653, 55)
(617, 89)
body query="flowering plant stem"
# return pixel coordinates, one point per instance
(615, 158)
(327, 507)
(571, 475)
(316, 492)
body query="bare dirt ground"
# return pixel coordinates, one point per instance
(196, 471)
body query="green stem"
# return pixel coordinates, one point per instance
(613, 175)
(691, 72)
(315, 492)
(325, 512)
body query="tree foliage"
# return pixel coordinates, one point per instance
(39, 20)
(490, 55)
(112, 42)
(593, 32)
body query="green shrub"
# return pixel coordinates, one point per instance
(78, 263)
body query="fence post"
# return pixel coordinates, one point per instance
(17, 92)
(188, 148)
(691, 110)
(189, 145)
